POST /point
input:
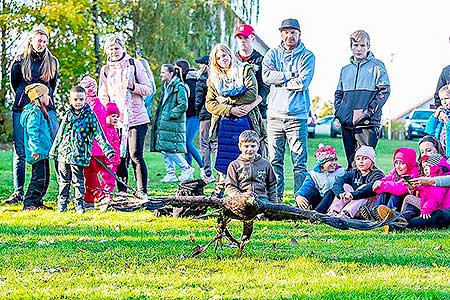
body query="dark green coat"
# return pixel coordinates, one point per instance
(169, 127)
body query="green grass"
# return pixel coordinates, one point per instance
(113, 255)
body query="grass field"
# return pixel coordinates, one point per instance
(113, 255)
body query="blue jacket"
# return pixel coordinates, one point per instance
(362, 90)
(319, 180)
(36, 133)
(289, 96)
(434, 128)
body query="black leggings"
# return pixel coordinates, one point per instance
(439, 218)
(135, 153)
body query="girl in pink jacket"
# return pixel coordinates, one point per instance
(101, 189)
(391, 188)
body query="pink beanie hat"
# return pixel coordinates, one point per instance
(112, 109)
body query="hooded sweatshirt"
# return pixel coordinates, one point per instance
(391, 183)
(251, 176)
(289, 95)
(362, 90)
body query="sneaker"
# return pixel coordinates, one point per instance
(14, 199)
(400, 223)
(205, 177)
(45, 207)
(30, 207)
(103, 204)
(187, 174)
(169, 178)
(384, 213)
(62, 205)
(366, 213)
(141, 196)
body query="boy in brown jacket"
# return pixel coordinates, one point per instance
(250, 173)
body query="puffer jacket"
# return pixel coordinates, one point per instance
(114, 79)
(73, 143)
(289, 96)
(36, 130)
(435, 128)
(223, 109)
(169, 128)
(362, 90)
(18, 82)
(257, 177)
(320, 180)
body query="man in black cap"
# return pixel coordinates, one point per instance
(289, 69)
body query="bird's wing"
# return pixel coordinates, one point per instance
(285, 212)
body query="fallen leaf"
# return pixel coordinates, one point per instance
(274, 246)
(294, 241)
(438, 247)
(118, 227)
(435, 265)
(52, 270)
(41, 243)
(191, 239)
(103, 241)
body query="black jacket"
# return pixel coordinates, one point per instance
(443, 80)
(18, 82)
(263, 89)
(201, 89)
(354, 178)
(191, 81)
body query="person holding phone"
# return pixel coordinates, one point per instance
(391, 188)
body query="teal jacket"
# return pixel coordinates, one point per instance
(169, 127)
(36, 131)
(435, 127)
(73, 143)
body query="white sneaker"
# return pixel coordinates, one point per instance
(170, 178)
(207, 179)
(187, 174)
(141, 196)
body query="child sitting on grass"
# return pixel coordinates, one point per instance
(354, 188)
(98, 181)
(251, 173)
(73, 146)
(431, 198)
(37, 139)
(316, 190)
(391, 188)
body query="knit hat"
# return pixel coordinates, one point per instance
(407, 156)
(366, 151)
(112, 109)
(36, 90)
(324, 154)
(88, 81)
(432, 159)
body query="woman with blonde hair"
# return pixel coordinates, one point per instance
(123, 80)
(232, 99)
(35, 65)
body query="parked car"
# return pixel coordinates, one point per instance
(323, 125)
(311, 125)
(416, 123)
(336, 128)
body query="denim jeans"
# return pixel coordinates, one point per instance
(192, 126)
(295, 132)
(172, 159)
(135, 153)
(18, 155)
(40, 178)
(207, 148)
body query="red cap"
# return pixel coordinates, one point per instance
(244, 30)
